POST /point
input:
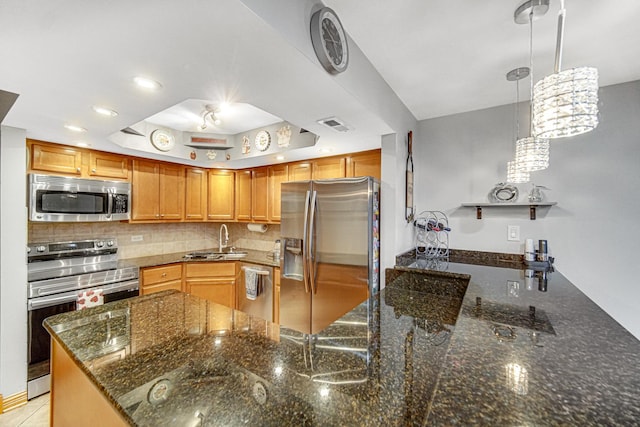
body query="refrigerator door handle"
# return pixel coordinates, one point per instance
(312, 246)
(305, 270)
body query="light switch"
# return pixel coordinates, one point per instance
(513, 233)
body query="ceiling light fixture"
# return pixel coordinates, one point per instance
(532, 153)
(210, 114)
(515, 173)
(75, 128)
(565, 103)
(104, 111)
(146, 83)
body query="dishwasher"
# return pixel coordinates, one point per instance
(254, 290)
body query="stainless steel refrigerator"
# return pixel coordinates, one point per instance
(330, 256)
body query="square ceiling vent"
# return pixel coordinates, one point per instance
(335, 124)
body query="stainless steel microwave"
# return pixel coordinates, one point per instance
(67, 199)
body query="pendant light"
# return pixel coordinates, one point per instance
(566, 102)
(532, 153)
(515, 173)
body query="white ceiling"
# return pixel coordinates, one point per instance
(446, 57)
(440, 57)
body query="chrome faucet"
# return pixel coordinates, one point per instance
(226, 237)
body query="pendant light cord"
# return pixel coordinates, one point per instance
(560, 37)
(531, 72)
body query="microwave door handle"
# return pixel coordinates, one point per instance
(312, 243)
(109, 205)
(305, 235)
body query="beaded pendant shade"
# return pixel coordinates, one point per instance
(515, 174)
(566, 102)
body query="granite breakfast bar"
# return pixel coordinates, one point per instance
(475, 344)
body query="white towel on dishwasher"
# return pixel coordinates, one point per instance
(90, 298)
(251, 278)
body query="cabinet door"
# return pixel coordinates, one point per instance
(221, 195)
(156, 279)
(330, 167)
(260, 194)
(106, 165)
(195, 207)
(220, 291)
(62, 160)
(243, 195)
(145, 191)
(277, 175)
(364, 164)
(159, 287)
(171, 188)
(300, 171)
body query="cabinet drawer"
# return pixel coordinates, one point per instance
(208, 269)
(165, 273)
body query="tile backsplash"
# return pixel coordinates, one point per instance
(157, 239)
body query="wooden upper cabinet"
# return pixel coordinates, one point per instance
(171, 192)
(260, 194)
(70, 161)
(157, 191)
(56, 158)
(366, 163)
(300, 171)
(145, 191)
(195, 192)
(329, 167)
(107, 165)
(277, 174)
(243, 195)
(221, 191)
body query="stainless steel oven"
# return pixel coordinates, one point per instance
(58, 273)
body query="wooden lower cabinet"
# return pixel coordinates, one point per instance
(75, 400)
(213, 281)
(162, 278)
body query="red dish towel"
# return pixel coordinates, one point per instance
(88, 299)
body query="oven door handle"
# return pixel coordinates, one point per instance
(41, 302)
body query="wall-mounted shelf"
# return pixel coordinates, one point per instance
(532, 207)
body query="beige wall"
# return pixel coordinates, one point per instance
(157, 239)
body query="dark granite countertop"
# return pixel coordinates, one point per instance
(473, 345)
(253, 256)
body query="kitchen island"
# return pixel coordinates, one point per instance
(473, 344)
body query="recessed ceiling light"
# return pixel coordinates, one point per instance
(146, 83)
(75, 128)
(104, 111)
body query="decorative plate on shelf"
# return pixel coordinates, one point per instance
(503, 193)
(163, 140)
(263, 139)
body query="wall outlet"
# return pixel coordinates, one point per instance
(137, 238)
(513, 233)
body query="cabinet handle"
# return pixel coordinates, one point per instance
(164, 274)
(93, 170)
(77, 169)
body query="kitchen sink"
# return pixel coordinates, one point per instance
(219, 256)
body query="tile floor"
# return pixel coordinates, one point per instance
(34, 414)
